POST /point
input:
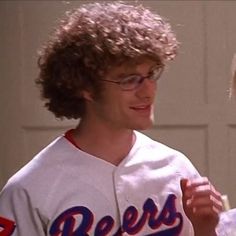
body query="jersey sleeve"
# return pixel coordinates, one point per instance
(18, 217)
(227, 223)
(184, 167)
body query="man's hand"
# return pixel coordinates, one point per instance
(202, 205)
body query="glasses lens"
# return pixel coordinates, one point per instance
(133, 81)
(130, 82)
(156, 73)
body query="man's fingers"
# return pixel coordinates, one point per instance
(205, 202)
(183, 185)
(199, 182)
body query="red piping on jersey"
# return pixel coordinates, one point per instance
(69, 136)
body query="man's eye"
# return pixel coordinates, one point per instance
(131, 80)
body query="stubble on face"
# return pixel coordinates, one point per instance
(125, 109)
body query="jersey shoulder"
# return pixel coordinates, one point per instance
(150, 150)
(43, 165)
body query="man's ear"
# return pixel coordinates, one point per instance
(87, 95)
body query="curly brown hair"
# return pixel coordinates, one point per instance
(88, 42)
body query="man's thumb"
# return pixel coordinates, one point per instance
(183, 185)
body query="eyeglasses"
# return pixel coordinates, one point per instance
(133, 81)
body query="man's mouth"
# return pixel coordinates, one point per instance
(141, 108)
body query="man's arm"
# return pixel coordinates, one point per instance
(18, 217)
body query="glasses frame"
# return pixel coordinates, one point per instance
(152, 76)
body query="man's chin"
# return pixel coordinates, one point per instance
(146, 126)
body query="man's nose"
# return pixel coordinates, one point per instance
(147, 88)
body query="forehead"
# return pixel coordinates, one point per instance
(141, 67)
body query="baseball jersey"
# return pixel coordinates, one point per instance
(64, 191)
(227, 223)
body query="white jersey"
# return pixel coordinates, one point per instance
(64, 191)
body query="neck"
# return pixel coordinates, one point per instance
(109, 144)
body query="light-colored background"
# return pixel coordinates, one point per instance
(193, 113)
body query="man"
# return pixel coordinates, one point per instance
(104, 177)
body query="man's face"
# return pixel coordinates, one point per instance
(126, 109)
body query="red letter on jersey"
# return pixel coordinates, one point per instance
(6, 227)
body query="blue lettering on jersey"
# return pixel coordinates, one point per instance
(66, 224)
